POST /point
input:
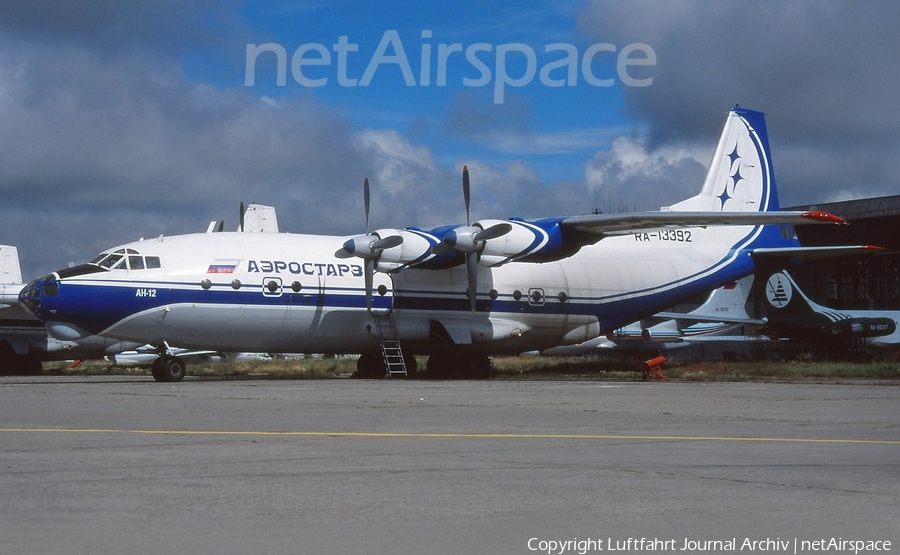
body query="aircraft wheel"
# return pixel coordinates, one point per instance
(370, 366)
(174, 369)
(412, 366)
(440, 366)
(31, 366)
(157, 370)
(477, 367)
(451, 366)
(168, 369)
(15, 365)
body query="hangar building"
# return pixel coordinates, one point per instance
(859, 282)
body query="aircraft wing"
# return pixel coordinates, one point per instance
(814, 253)
(618, 224)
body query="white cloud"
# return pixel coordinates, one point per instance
(631, 176)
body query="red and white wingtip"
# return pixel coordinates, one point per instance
(824, 217)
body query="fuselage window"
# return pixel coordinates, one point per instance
(153, 262)
(136, 262)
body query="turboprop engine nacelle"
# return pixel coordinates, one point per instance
(524, 239)
(415, 249)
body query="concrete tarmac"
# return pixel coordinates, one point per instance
(126, 465)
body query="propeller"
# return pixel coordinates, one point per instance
(470, 240)
(369, 247)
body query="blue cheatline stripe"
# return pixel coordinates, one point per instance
(118, 300)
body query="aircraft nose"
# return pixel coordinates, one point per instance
(34, 294)
(30, 297)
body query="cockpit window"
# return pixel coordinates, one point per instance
(130, 258)
(136, 262)
(109, 261)
(51, 289)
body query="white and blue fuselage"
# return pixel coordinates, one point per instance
(289, 293)
(538, 284)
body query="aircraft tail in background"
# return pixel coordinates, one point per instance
(10, 276)
(793, 314)
(726, 304)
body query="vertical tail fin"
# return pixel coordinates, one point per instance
(740, 177)
(10, 276)
(10, 272)
(782, 297)
(728, 302)
(260, 219)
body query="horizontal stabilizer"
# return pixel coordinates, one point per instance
(616, 224)
(725, 319)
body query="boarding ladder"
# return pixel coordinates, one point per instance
(390, 347)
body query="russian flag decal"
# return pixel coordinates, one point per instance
(222, 267)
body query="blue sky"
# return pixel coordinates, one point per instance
(446, 118)
(128, 120)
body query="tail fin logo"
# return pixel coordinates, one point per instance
(734, 178)
(779, 290)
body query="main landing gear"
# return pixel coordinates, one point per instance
(454, 366)
(445, 365)
(168, 368)
(371, 365)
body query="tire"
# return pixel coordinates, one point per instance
(168, 369)
(156, 369)
(370, 366)
(174, 369)
(412, 366)
(451, 366)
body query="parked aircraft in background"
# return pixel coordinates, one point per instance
(457, 293)
(722, 317)
(257, 218)
(792, 314)
(24, 342)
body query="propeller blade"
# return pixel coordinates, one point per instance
(388, 242)
(241, 218)
(366, 199)
(472, 274)
(466, 192)
(370, 278)
(496, 230)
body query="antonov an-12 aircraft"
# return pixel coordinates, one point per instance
(457, 293)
